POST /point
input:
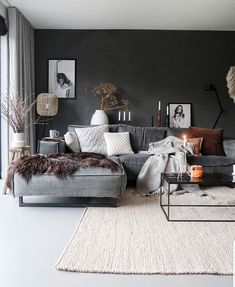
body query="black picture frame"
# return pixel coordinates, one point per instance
(180, 119)
(68, 67)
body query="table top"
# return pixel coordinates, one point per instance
(49, 139)
(208, 178)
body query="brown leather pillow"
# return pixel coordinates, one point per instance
(197, 145)
(212, 140)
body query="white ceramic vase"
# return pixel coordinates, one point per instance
(18, 140)
(99, 118)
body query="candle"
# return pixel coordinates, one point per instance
(129, 116)
(167, 110)
(159, 105)
(196, 171)
(185, 140)
(119, 116)
(124, 116)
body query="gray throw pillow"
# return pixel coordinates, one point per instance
(92, 139)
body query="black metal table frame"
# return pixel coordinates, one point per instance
(73, 202)
(169, 205)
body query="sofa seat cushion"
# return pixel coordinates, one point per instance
(211, 160)
(134, 159)
(85, 182)
(141, 137)
(133, 163)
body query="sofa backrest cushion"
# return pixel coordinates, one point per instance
(229, 147)
(141, 137)
(112, 128)
(179, 133)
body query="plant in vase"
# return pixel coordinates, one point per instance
(108, 94)
(15, 112)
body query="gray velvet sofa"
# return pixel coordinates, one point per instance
(142, 136)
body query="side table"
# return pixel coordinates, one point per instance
(51, 145)
(15, 154)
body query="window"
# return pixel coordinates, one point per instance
(4, 130)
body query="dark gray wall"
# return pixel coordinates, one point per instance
(147, 66)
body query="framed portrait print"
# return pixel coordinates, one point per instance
(62, 78)
(179, 115)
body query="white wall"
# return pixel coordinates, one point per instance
(4, 126)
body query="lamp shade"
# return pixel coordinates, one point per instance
(47, 105)
(231, 82)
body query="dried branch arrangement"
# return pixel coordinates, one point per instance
(15, 111)
(108, 94)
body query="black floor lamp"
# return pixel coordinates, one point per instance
(210, 88)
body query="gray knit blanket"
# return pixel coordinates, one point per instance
(167, 155)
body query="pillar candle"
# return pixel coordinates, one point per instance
(129, 116)
(124, 116)
(119, 116)
(167, 110)
(159, 105)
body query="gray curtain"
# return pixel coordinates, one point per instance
(21, 65)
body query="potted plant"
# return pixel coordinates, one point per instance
(107, 93)
(15, 112)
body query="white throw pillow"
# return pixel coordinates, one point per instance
(91, 139)
(118, 143)
(72, 142)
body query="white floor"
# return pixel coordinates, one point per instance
(32, 239)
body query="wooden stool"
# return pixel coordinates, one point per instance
(15, 154)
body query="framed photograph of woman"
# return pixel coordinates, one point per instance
(61, 78)
(179, 115)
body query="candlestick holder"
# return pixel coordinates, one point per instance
(182, 164)
(167, 121)
(159, 118)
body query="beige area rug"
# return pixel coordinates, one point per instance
(136, 238)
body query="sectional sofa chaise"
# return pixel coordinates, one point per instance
(102, 183)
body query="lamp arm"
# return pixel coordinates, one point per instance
(217, 120)
(218, 99)
(220, 106)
